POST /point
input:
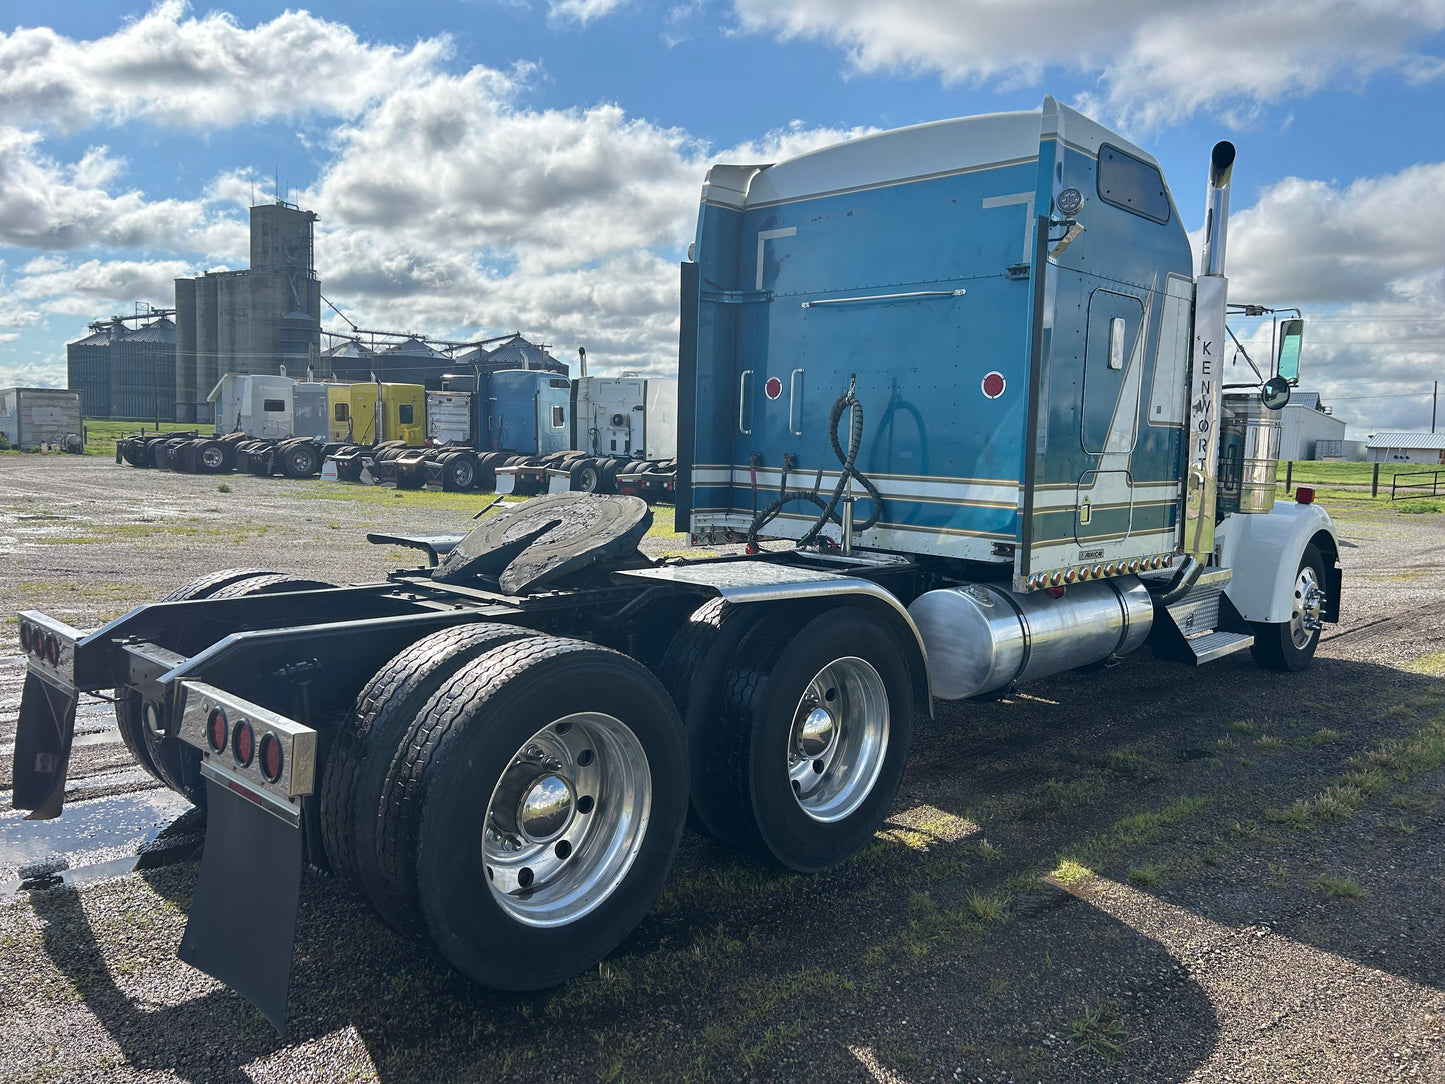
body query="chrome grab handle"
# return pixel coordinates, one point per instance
(792, 396)
(743, 400)
(884, 297)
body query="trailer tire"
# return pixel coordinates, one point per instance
(691, 670)
(368, 836)
(300, 460)
(459, 472)
(1289, 646)
(812, 735)
(519, 897)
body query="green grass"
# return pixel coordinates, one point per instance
(1098, 1030)
(100, 436)
(1146, 876)
(1341, 888)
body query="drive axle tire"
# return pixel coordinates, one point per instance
(299, 460)
(553, 790)
(811, 737)
(1290, 645)
(369, 837)
(158, 755)
(459, 472)
(586, 477)
(213, 457)
(692, 670)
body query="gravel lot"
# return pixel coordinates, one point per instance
(1145, 874)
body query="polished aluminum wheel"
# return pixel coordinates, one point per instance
(839, 739)
(567, 818)
(1309, 601)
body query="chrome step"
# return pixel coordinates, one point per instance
(1203, 625)
(1216, 645)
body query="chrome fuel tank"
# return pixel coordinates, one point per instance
(981, 637)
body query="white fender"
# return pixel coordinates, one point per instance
(1264, 551)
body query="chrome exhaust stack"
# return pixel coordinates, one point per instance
(1207, 362)
(1216, 208)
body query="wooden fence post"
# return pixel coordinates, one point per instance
(1288, 476)
(1375, 481)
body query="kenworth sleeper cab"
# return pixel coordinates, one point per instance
(955, 389)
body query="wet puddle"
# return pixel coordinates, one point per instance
(92, 840)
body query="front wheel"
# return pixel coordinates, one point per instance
(553, 799)
(1290, 645)
(811, 737)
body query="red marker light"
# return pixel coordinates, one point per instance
(25, 636)
(217, 730)
(271, 758)
(243, 743)
(1304, 495)
(52, 648)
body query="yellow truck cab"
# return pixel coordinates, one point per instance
(383, 411)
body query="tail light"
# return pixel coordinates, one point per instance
(218, 729)
(52, 648)
(271, 759)
(243, 743)
(25, 634)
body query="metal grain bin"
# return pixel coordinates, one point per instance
(88, 372)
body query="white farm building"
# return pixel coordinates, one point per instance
(1397, 447)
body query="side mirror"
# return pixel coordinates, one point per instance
(1291, 334)
(1275, 393)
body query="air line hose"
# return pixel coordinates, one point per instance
(829, 508)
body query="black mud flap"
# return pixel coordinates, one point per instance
(43, 735)
(242, 926)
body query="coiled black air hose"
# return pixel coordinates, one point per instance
(829, 514)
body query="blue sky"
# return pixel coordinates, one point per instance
(483, 166)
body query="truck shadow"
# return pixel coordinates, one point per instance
(945, 946)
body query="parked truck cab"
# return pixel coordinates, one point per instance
(955, 391)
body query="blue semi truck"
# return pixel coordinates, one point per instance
(958, 395)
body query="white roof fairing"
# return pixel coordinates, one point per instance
(938, 148)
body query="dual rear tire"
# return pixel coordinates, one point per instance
(527, 794)
(799, 723)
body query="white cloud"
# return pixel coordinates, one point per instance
(210, 72)
(47, 205)
(1367, 269)
(581, 12)
(80, 289)
(1321, 242)
(1155, 63)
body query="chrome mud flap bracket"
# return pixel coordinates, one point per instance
(258, 766)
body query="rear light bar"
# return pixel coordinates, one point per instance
(253, 751)
(49, 645)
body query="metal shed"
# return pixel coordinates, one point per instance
(1397, 447)
(30, 417)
